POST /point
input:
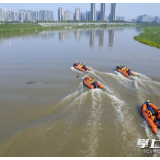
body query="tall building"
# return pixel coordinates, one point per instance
(82, 16)
(98, 15)
(112, 16)
(21, 15)
(35, 15)
(60, 14)
(144, 18)
(74, 16)
(67, 15)
(77, 14)
(29, 15)
(103, 10)
(93, 12)
(1, 14)
(156, 19)
(87, 16)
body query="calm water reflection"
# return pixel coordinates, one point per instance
(46, 111)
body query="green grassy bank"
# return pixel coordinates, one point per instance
(12, 28)
(151, 36)
(28, 27)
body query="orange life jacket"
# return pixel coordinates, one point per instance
(152, 118)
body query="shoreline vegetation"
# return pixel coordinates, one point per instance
(150, 35)
(27, 27)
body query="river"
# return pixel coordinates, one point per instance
(46, 111)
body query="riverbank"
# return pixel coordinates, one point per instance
(14, 28)
(28, 27)
(150, 36)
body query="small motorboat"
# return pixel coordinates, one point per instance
(151, 118)
(80, 66)
(125, 71)
(91, 83)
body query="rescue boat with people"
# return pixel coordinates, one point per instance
(81, 67)
(151, 115)
(91, 83)
(125, 71)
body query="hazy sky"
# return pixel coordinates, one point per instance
(128, 10)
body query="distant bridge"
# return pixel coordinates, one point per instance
(81, 24)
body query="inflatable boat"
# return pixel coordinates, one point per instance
(82, 67)
(91, 83)
(153, 124)
(125, 71)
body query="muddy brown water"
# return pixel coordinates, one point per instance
(46, 111)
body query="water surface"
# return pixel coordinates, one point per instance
(46, 111)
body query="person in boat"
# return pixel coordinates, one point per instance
(151, 116)
(79, 64)
(89, 80)
(148, 103)
(94, 83)
(75, 64)
(84, 66)
(119, 67)
(128, 71)
(124, 68)
(86, 78)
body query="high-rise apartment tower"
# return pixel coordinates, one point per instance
(77, 14)
(103, 10)
(60, 14)
(67, 15)
(112, 16)
(93, 12)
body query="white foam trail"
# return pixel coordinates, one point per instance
(93, 126)
(142, 76)
(69, 97)
(124, 117)
(127, 82)
(147, 129)
(97, 76)
(147, 83)
(77, 71)
(74, 102)
(107, 89)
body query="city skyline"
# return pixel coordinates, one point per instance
(126, 10)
